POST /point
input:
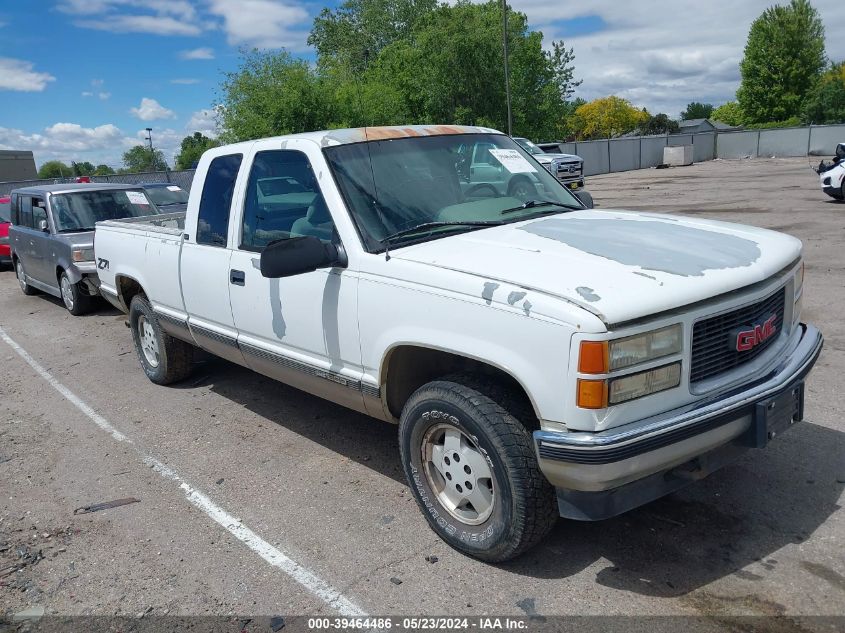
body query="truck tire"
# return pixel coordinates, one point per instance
(75, 300)
(21, 275)
(472, 470)
(164, 359)
(521, 188)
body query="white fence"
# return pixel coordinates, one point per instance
(624, 154)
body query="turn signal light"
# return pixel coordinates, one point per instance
(592, 394)
(593, 357)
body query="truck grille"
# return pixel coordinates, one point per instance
(569, 170)
(714, 339)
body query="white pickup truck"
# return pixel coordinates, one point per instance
(540, 358)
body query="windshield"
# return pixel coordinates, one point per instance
(5, 216)
(528, 146)
(163, 196)
(394, 185)
(80, 210)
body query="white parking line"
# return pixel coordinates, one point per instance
(304, 576)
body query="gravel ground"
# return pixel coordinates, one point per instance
(323, 485)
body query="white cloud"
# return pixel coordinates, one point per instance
(155, 24)
(103, 95)
(87, 94)
(197, 53)
(664, 56)
(263, 23)
(72, 142)
(17, 74)
(204, 121)
(185, 82)
(160, 17)
(151, 110)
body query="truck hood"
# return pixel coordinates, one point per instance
(548, 158)
(618, 265)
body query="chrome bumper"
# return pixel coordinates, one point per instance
(603, 474)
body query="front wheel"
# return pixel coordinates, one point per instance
(522, 188)
(472, 470)
(75, 300)
(164, 359)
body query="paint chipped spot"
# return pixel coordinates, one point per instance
(487, 292)
(526, 307)
(651, 245)
(515, 296)
(587, 293)
(637, 272)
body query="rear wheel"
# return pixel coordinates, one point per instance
(25, 287)
(75, 299)
(164, 359)
(471, 467)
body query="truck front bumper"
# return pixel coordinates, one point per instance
(600, 475)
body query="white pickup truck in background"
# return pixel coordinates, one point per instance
(540, 358)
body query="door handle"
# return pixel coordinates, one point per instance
(237, 277)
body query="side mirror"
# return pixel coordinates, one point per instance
(44, 226)
(585, 197)
(298, 255)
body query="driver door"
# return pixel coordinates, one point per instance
(303, 329)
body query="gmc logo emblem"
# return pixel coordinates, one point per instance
(753, 336)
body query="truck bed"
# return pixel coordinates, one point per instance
(170, 223)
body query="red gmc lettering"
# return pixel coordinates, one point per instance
(748, 339)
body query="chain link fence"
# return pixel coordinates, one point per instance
(183, 178)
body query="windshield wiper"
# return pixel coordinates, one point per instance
(530, 204)
(433, 225)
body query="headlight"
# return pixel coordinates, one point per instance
(83, 254)
(644, 383)
(607, 357)
(642, 348)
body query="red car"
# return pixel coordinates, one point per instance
(5, 220)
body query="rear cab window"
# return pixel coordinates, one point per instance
(216, 200)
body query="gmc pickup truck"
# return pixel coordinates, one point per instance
(539, 358)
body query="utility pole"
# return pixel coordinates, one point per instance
(507, 71)
(152, 151)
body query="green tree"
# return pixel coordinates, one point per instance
(55, 169)
(103, 170)
(783, 58)
(85, 168)
(730, 113)
(139, 159)
(826, 100)
(192, 148)
(272, 93)
(658, 124)
(383, 62)
(608, 117)
(696, 110)
(353, 35)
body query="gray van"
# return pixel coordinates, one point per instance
(52, 236)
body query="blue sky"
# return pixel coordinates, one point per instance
(81, 79)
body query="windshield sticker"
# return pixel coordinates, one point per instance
(136, 197)
(173, 188)
(513, 161)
